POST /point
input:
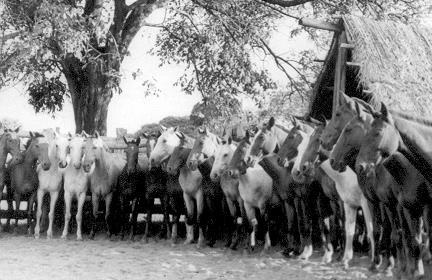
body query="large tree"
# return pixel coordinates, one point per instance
(75, 47)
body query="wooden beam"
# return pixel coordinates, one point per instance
(353, 64)
(308, 22)
(340, 76)
(346, 46)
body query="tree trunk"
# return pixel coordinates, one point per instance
(91, 91)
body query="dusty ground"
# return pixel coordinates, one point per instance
(26, 258)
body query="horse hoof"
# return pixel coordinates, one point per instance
(188, 242)
(373, 268)
(92, 235)
(132, 238)
(49, 236)
(36, 236)
(388, 273)
(79, 238)
(64, 237)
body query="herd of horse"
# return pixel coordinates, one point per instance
(367, 160)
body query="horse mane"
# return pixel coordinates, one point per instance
(374, 106)
(281, 127)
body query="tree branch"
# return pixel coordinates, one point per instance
(286, 3)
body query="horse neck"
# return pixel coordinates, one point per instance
(414, 144)
(271, 167)
(205, 168)
(336, 176)
(280, 135)
(301, 149)
(102, 164)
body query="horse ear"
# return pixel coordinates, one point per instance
(229, 140)
(17, 129)
(385, 114)
(176, 129)
(360, 114)
(162, 128)
(138, 141)
(271, 123)
(125, 140)
(31, 134)
(145, 135)
(247, 134)
(84, 134)
(294, 121)
(180, 135)
(69, 135)
(96, 134)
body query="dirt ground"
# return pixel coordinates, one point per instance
(26, 258)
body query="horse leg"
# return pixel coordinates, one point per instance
(300, 221)
(68, 201)
(324, 224)
(427, 218)
(290, 216)
(232, 242)
(175, 204)
(81, 200)
(414, 241)
(40, 195)
(200, 202)
(392, 246)
(307, 221)
(17, 198)
(190, 208)
(123, 214)
(95, 204)
(211, 213)
(134, 218)
(53, 201)
(108, 200)
(250, 212)
(265, 214)
(372, 217)
(9, 198)
(165, 206)
(30, 212)
(350, 224)
(150, 205)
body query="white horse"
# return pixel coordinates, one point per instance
(347, 187)
(50, 180)
(75, 183)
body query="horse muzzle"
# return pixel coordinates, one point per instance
(283, 162)
(46, 165)
(62, 164)
(87, 167)
(337, 165)
(77, 165)
(214, 177)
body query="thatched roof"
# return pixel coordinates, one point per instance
(395, 65)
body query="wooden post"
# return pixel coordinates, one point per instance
(340, 75)
(309, 22)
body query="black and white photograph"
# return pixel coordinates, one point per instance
(216, 139)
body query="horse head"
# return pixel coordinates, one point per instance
(151, 140)
(204, 147)
(76, 149)
(311, 156)
(37, 150)
(265, 141)
(238, 165)
(177, 159)
(350, 140)
(293, 148)
(132, 150)
(59, 146)
(94, 147)
(381, 141)
(223, 157)
(165, 145)
(344, 112)
(11, 142)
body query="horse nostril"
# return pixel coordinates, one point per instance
(332, 161)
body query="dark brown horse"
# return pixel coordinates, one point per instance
(131, 186)
(23, 176)
(156, 179)
(398, 142)
(9, 144)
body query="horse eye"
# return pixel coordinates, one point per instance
(225, 155)
(94, 148)
(164, 141)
